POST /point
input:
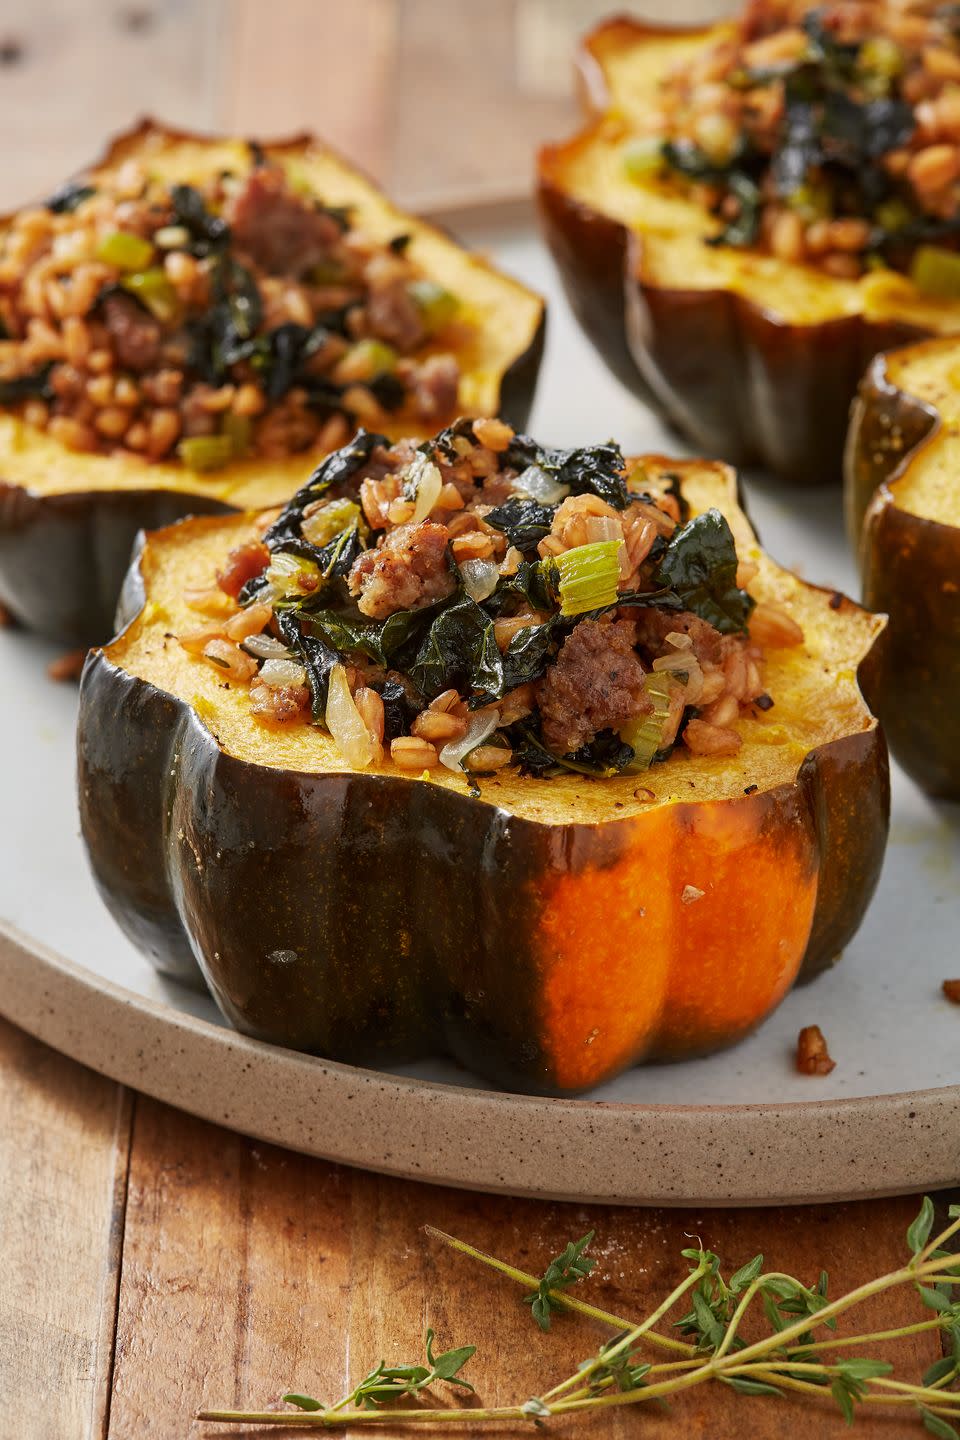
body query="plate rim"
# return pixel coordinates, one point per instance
(633, 1153)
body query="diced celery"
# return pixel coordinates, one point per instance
(645, 735)
(812, 201)
(206, 452)
(364, 361)
(588, 576)
(437, 305)
(893, 215)
(936, 271)
(153, 289)
(881, 56)
(642, 158)
(239, 428)
(125, 251)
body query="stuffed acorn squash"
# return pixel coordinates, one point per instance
(520, 754)
(755, 210)
(187, 318)
(904, 452)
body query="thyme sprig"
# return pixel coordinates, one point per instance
(788, 1358)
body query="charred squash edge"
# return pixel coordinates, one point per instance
(159, 796)
(63, 555)
(730, 376)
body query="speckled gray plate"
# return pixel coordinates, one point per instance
(740, 1127)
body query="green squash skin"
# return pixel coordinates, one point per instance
(307, 940)
(199, 854)
(886, 424)
(848, 789)
(738, 382)
(911, 570)
(63, 557)
(125, 755)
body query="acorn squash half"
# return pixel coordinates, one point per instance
(547, 934)
(749, 357)
(903, 484)
(68, 520)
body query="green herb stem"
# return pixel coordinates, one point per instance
(628, 1341)
(569, 1302)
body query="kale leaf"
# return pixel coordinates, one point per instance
(402, 704)
(67, 197)
(605, 756)
(524, 522)
(524, 660)
(744, 228)
(334, 470)
(594, 470)
(208, 232)
(459, 651)
(317, 656)
(700, 566)
(379, 640)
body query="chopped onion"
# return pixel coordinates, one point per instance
(479, 728)
(345, 722)
(422, 479)
(539, 485)
(480, 578)
(282, 672)
(265, 647)
(683, 662)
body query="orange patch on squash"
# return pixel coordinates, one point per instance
(684, 943)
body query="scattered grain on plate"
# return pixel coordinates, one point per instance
(68, 666)
(813, 1057)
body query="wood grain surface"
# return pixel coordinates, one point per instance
(436, 98)
(152, 1264)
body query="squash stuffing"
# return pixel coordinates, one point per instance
(754, 210)
(186, 319)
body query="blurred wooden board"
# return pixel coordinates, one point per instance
(432, 99)
(227, 1270)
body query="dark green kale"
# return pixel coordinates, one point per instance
(402, 703)
(597, 470)
(67, 197)
(334, 471)
(459, 651)
(524, 522)
(675, 488)
(744, 228)
(22, 387)
(379, 640)
(524, 660)
(700, 567)
(317, 656)
(605, 756)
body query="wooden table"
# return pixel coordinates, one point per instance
(150, 1263)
